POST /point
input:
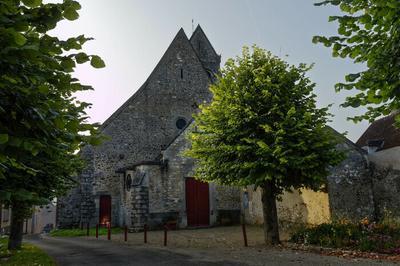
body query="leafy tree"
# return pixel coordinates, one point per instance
(263, 128)
(42, 126)
(369, 33)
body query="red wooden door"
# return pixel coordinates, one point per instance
(197, 203)
(105, 210)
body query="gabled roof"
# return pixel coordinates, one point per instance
(199, 34)
(346, 140)
(382, 130)
(178, 135)
(180, 35)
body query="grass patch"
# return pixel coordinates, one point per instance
(363, 236)
(28, 255)
(82, 232)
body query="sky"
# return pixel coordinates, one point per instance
(132, 35)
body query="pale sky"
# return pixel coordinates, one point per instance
(132, 35)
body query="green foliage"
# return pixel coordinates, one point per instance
(369, 33)
(82, 232)
(28, 255)
(363, 236)
(42, 126)
(263, 125)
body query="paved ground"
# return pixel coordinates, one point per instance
(80, 251)
(89, 251)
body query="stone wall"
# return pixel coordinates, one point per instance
(139, 130)
(167, 191)
(386, 188)
(78, 206)
(350, 186)
(349, 196)
(365, 186)
(357, 189)
(300, 206)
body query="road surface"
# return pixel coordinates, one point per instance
(88, 251)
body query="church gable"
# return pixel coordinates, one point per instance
(205, 51)
(148, 120)
(141, 129)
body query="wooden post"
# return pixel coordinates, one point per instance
(244, 234)
(165, 235)
(87, 229)
(97, 230)
(109, 231)
(145, 233)
(126, 233)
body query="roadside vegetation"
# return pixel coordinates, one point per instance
(266, 109)
(42, 125)
(83, 232)
(381, 237)
(27, 255)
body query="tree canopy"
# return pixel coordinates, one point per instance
(263, 124)
(42, 124)
(263, 128)
(368, 33)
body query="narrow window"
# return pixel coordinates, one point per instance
(181, 73)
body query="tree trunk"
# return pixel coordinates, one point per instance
(16, 228)
(271, 228)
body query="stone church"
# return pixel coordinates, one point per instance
(139, 176)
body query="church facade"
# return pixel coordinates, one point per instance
(139, 176)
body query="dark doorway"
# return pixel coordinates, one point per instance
(197, 203)
(105, 210)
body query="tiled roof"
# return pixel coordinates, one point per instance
(381, 130)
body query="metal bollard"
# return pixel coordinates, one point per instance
(97, 230)
(165, 235)
(145, 233)
(126, 233)
(109, 231)
(244, 234)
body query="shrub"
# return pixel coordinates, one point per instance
(363, 236)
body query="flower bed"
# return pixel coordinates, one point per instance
(364, 236)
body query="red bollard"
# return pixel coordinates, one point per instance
(165, 235)
(145, 233)
(109, 231)
(87, 229)
(97, 230)
(126, 233)
(244, 234)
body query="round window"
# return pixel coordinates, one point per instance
(181, 123)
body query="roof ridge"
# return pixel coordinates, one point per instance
(199, 28)
(141, 88)
(178, 135)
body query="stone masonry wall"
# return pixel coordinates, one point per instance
(386, 187)
(350, 186)
(224, 200)
(143, 126)
(78, 206)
